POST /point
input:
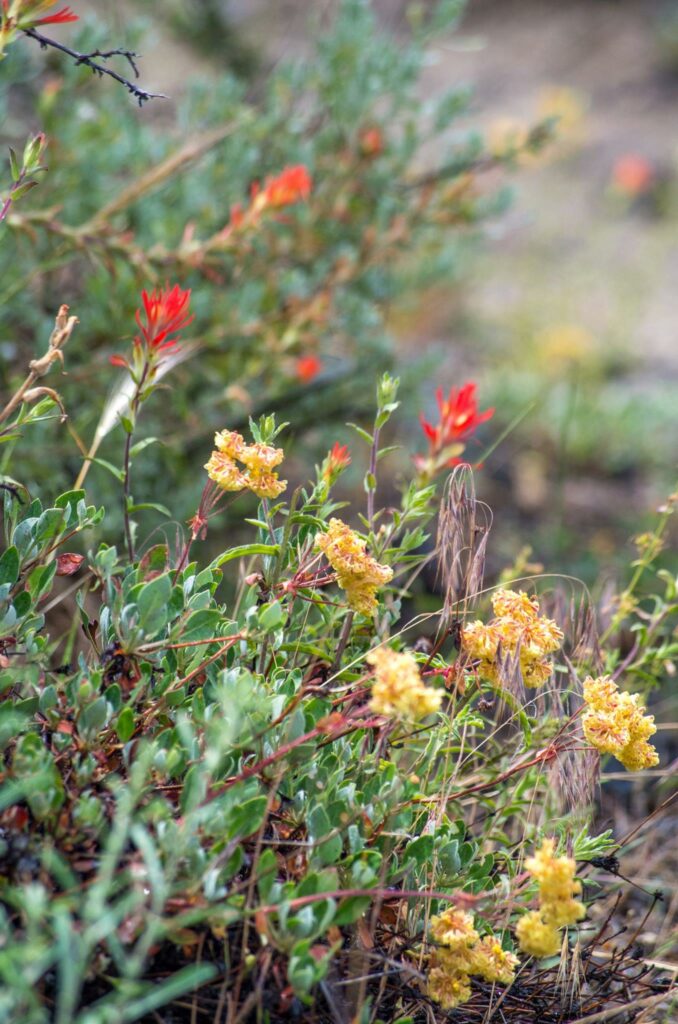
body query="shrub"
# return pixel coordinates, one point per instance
(289, 301)
(283, 795)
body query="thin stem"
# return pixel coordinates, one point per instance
(127, 460)
(127, 465)
(372, 490)
(17, 398)
(343, 640)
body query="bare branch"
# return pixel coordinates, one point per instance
(88, 59)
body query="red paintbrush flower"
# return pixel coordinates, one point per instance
(290, 186)
(459, 417)
(335, 462)
(307, 368)
(64, 15)
(165, 312)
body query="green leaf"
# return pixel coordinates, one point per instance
(21, 190)
(244, 551)
(247, 818)
(271, 616)
(14, 165)
(387, 451)
(195, 787)
(70, 499)
(328, 849)
(39, 581)
(9, 566)
(152, 603)
(420, 850)
(93, 718)
(124, 727)
(146, 506)
(140, 445)
(351, 909)
(361, 433)
(117, 473)
(203, 624)
(267, 869)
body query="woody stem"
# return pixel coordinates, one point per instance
(343, 640)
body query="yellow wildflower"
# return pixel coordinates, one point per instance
(462, 954)
(398, 688)
(358, 573)
(517, 627)
(615, 723)
(446, 984)
(537, 931)
(536, 937)
(517, 606)
(493, 963)
(454, 928)
(562, 911)
(225, 472)
(554, 874)
(257, 459)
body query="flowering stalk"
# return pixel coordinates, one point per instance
(387, 391)
(164, 314)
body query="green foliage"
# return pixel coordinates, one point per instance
(202, 784)
(315, 280)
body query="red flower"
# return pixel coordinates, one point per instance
(632, 174)
(336, 461)
(459, 417)
(66, 14)
(290, 186)
(371, 142)
(307, 368)
(166, 312)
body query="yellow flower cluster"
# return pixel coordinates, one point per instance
(398, 689)
(463, 954)
(537, 931)
(517, 627)
(256, 472)
(358, 573)
(615, 724)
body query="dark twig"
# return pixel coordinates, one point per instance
(141, 95)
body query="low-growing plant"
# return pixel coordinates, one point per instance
(252, 786)
(294, 797)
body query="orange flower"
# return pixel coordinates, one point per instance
(632, 174)
(371, 142)
(23, 14)
(288, 187)
(307, 368)
(459, 417)
(335, 462)
(61, 16)
(164, 313)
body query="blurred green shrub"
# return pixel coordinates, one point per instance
(133, 197)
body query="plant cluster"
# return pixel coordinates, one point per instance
(248, 785)
(296, 218)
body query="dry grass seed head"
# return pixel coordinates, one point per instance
(463, 527)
